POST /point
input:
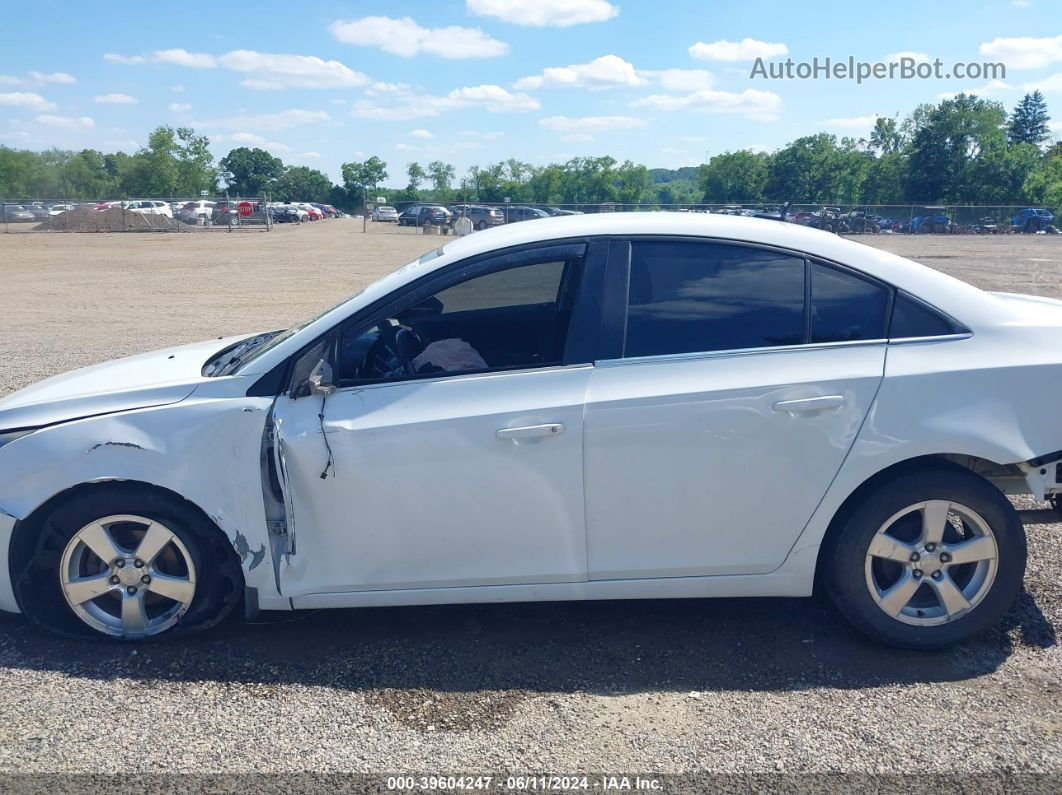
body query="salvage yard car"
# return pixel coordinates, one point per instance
(611, 406)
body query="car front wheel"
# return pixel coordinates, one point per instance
(928, 560)
(129, 563)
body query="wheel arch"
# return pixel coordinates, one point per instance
(989, 471)
(27, 534)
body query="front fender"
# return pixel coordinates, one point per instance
(206, 450)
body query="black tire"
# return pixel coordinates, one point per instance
(219, 578)
(481, 226)
(844, 560)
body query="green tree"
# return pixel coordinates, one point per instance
(885, 179)
(442, 176)
(1044, 185)
(886, 136)
(735, 177)
(358, 178)
(632, 183)
(195, 164)
(416, 175)
(944, 141)
(998, 174)
(818, 169)
(252, 171)
(1028, 122)
(300, 183)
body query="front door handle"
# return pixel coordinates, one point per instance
(531, 431)
(811, 404)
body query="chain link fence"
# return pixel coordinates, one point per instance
(225, 213)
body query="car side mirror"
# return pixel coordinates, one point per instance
(320, 380)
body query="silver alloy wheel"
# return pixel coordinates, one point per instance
(127, 576)
(931, 563)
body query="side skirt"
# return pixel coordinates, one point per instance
(795, 578)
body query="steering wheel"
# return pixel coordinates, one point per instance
(404, 343)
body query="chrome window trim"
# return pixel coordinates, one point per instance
(458, 376)
(694, 355)
(813, 346)
(965, 335)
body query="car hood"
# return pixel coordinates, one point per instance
(134, 382)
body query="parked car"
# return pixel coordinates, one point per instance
(1032, 219)
(285, 214)
(60, 207)
(515, 453)
(418, 215)
(933, 223)
(481, 217)
(197, 212)
(17, 214)
(519, 213)
(384, 212)
(559, 211)
(312, 213)
(986, 225)
(149, 207)
(38, 211)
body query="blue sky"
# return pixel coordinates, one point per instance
(475, 81)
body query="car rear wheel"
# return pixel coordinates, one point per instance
(928, 560)
(129, 563)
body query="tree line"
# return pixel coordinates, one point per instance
(962, 150)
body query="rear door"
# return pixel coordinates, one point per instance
(732, 384)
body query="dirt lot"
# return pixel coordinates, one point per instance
(754, 685)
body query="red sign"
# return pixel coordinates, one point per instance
(245, 209)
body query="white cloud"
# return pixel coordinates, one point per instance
(754, 104)
(604, 72)
(917, 57)
(309, 154)
(277, 71)
(10, 80)
(406, 38)
(681, 79)
(180, 57)
(745, 50)
(988, 89)
(54, 77)
(177, 89)
(1025, 52)
(179, 107)
(253, 139)
(586, 125)
(115, 99)
(270, 122)
(126, 59)
(422, 134)
(544, 13)
(1050, 83)
(388, 88)
(577, 138)
(856, 124)
(67, 122)
(492, 98)
(25, 99)
(694, 139)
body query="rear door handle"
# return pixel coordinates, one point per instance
(531, 431)
(811, 404)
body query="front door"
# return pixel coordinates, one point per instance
(451, 453)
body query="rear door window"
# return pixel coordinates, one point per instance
(846, 307)
(687, 297)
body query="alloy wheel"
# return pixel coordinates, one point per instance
(931, 563)
(127, 576)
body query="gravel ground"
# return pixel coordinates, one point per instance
(754, 685)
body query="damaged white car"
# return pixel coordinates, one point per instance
(591, 407)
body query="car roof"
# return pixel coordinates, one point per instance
(962, 300)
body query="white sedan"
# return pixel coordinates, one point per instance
(604, 406)
(385, 213)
